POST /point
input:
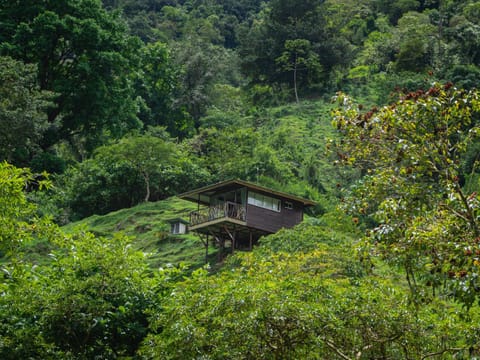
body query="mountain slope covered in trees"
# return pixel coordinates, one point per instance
(111, 108)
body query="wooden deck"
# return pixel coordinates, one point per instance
(227, 211)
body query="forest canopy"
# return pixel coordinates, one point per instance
(111, 108)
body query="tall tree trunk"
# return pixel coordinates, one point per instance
(146, 178)
(295, 79)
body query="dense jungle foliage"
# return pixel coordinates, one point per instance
(109, 109)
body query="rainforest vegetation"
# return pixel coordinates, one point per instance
(109, 109)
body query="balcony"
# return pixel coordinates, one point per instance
(214, 214)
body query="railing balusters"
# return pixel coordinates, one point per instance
(225, 210)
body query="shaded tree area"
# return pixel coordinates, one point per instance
(84, 56)
(22, 111)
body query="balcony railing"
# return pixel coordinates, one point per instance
(226, 210)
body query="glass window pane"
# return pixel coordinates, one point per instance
(264, 201)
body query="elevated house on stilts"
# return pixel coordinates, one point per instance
(234, 214)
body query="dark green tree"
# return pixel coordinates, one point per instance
(200, 66)
(157, 83)
(274, 31)
(242, 9)
(22, 111)
(416, 39)
(465, 39)
(85, 56)
(396, 8)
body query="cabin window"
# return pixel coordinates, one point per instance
(263, 201)
(175, 228)
(288, 205)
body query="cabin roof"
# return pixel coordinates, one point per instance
(203, 194)
(177, 220)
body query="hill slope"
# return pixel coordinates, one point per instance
(148, 224)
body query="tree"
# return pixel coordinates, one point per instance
(146, 154)
(223, 160)
(17, 215)
(88, 298)
(298, 56)
(97, 186)
(275, 33)
(354, 18)
(242, 9)
(137, 168)
(396, 8)
(411, 154)
(465, 36)
(379, 47)
(157, 82)
(416, 38)
(22, 111)
(302, 294)
(200, 63)
(84, 55)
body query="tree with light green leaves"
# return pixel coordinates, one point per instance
(298, 56)
(17, 215)
(87, 299)
(146, 154)
(302, 294)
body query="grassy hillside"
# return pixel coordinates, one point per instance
(299, 133)
(148, 224)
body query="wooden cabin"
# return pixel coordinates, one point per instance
(240, 212)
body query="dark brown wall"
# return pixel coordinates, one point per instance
(272, 221)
